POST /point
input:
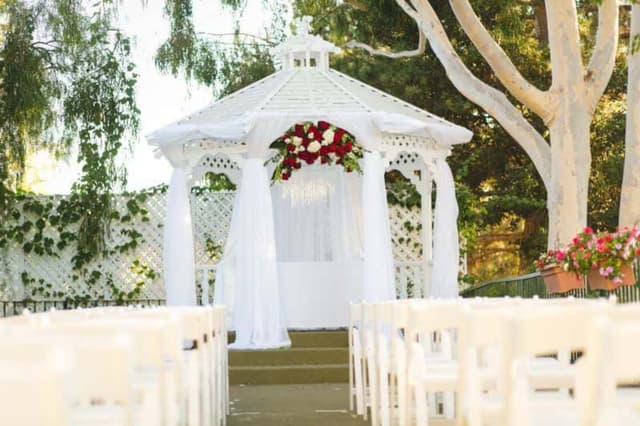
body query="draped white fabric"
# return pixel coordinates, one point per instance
(259, 129)
(378, 256)
(178, 252)
(444, 279)
(318, 216)
(250, 262)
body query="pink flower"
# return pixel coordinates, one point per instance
(588, 230)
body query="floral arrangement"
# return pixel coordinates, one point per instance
(605, 252)
(311, 142)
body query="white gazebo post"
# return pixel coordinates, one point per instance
(178, 249)
(425, 189)
(444, 278)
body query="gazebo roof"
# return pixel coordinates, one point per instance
(305, 89)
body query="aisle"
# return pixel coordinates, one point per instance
(292, 405)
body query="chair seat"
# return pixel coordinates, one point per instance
(99, 415)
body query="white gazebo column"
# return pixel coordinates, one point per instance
(379, 283)
(444, 279)
(426, 215)
(258, 318)
(178, 250)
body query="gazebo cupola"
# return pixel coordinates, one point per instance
(304, 49)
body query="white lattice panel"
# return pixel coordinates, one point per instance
(211, 214)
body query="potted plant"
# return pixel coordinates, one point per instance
(613, 255)
(554, 268)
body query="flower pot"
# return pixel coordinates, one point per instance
(557, 280)
(598, 282)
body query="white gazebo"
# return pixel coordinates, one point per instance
(299, 251)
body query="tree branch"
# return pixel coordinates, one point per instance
(490, 99)
(263, 40)
(603, 57)
(532, 97)
(422, 45)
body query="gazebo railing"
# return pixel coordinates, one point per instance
(531, 285)
(17, 307)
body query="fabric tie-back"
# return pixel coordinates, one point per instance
(250, 261)
(444, 278)
(378, 255)
(178, 252)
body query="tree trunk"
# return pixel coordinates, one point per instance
(630, 198)
(569, 128)
(570, 165)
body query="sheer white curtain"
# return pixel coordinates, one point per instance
(444, 278)
(379, 283)
(317, 216)
(177, 251)
(250, 268)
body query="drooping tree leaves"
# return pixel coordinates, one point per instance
(67, 84)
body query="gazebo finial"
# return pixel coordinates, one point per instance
(303, 25)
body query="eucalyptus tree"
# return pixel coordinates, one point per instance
(566, 107)
(66, 85)
(630, 195)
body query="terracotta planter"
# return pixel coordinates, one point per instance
(598, 282)
(557, 280)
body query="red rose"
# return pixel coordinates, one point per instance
(324, 159)
(332, 147)
(324, 150)
(291, 161)
(291, 147)
(339, 151)
(323, 125)
(313, 133)
(304, 155)
(348, 147)
(299, 130)
(285, 176)
(310, 158)
(297, 165)
(305, 142)
(337, 136)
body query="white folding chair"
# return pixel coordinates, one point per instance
(613, 371)
(370, 373)
(433, 368)
(34, 394)
(384, 358)
(356, 360)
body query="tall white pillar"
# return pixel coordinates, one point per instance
(426, 187)
(178, 249)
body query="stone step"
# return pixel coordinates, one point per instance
(294, 356)
(314, 339)
(289, 374)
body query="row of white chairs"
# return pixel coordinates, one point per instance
(116, 366)
(498, 362)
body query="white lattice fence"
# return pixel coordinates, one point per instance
(52, 277)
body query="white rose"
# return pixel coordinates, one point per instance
(314, 147)
(328, 136)
(297, 140)
(287, 140)
(311, 135)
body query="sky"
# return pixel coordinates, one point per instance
(162, 99)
